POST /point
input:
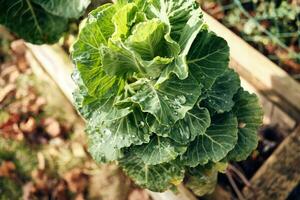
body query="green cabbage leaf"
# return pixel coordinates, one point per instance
(157, 94)
(40, 21)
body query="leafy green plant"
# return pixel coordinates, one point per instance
(157, 94)
(24, 160)
(40, 21)
(20, 154)
(272, 27)
(9, 189)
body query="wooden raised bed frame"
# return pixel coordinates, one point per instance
(279, 95)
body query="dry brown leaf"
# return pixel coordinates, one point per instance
(14, 107)
(77, 181)
(29, 126)
(10, 128)
(52, 127)
(13, 77)
(36, 107)
(8, 89)
(27, 102)
(41, 180)
(7, 169)
(41, 161)
(109, 183)
(79, 197)
(22, 64)
(2, 82)
(28, 190)
(18, 47)
(6, 70)
(60, 191)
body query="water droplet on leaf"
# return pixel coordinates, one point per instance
(181, 99)
(134, 98)
(141, 124)
(242, 125)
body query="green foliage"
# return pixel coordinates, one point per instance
(24, 160)
(157, 94)
(280, 17)
(265, 24)
(40, 21)
(10, 189)
(20, 154)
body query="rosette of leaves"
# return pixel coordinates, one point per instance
(40, 21)
(157, 94)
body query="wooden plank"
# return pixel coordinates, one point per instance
(168, 195)
(218, 194)
(163, 196)
(59, 67)
(184, 193)
(279, 174)
(53, 94)
(57, 64)
(259, 70)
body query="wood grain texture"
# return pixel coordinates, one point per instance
(218, 194)
(57, 64)
(259, 70)
(279, 174)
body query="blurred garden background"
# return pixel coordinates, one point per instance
(43, 150)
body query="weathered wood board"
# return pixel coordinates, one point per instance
(57, 64)
(279, 174)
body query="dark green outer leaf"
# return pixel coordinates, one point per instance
(202, 179)
(158, 150)
(220, 96)
(157, 178)
(195, 123)
(31, 22)
(109, 129)
(214, 145)
(107, 138)
(208, 57)
(64, 8)
(249, 114)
